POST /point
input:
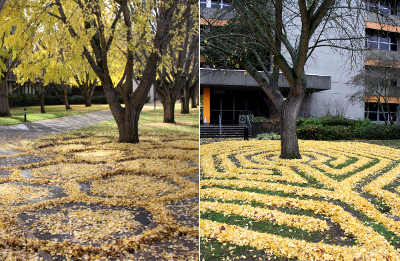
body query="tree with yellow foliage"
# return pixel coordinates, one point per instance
(86, 83)
(139, 33)
(183, 69)
(17, 31)
(45, 62)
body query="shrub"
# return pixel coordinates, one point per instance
(17, 100)
(76, 99)
(380, 132)
(260, 119)
(99, 100)
(337, 121)
(54, 100)
(363, 123)
(309, 122)
(268, 136)
(102, 99)
(324, 129)
(327, 133)
(330, 121)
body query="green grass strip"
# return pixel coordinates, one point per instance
(343, 165)
(213, 250)
(292, 211)
(348, 174)
(270, 227)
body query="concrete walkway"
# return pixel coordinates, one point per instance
(36, 129)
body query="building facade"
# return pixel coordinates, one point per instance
(330, 91)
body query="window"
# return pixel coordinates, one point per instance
(203, 3)
(225, 4)
(383, 84)
(381, 40)
(375, 112)
(215, 3)
(218, 4)
(385, 7)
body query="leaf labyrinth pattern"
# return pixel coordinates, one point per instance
(341, 201)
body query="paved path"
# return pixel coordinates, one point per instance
(36, 129)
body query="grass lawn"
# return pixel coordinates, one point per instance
(52, 111)
(151, 123)
(341, 201)
(83, 196)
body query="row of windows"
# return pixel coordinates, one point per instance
(381, 40)
(385, 7)
(375, 113)
(215, 3)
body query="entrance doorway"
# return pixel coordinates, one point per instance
(231, 103)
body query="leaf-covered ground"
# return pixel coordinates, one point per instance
(83, 196)
(341, 201)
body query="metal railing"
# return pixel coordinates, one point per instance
(249, 126)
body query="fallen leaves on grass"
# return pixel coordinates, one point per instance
(344, 183)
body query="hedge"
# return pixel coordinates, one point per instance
(337, 128)
(76, 99)
(34, 100)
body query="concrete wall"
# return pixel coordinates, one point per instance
(337, 100)
(227, 77)
(328, 61)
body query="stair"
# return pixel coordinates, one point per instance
(227, 131)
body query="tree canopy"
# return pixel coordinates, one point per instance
(123, 42)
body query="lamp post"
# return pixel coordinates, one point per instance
(220, 124)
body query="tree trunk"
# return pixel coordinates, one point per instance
(289, 142)
(194, 102)
(169, 109)
(128, 124)
(194, 96)
(42, 99)
(168, 98)
(66, 102)
(87, 92)
(2, 2)
(127, 118)
(185, 101)
(88, 99)
(4, 104)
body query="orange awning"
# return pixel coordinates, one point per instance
(383, 27)
(213, 22)
(395, 100)
(375, 62)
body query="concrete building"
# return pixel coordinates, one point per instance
(329, 91)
